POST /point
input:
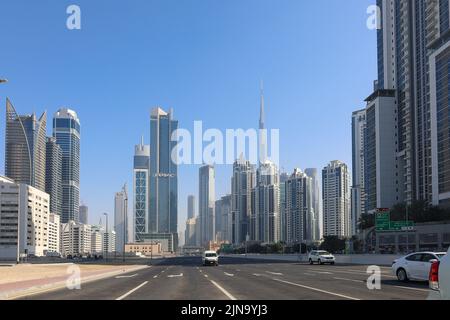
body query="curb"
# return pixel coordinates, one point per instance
(20, 293)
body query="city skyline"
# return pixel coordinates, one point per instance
(285, 100)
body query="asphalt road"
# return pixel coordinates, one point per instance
(184, 278)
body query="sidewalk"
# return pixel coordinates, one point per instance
(21, 280)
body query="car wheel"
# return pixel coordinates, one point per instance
(401, 275)
(310, 261)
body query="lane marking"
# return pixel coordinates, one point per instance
(175, 275)
(274, 273)
(321, 272)
(131, 291)
(131, 276)
(315, 289)
(365, 274)
(229, 274)
(257, 275)
(353, 280)
(225, 292)
(206, 276)
(410, 288)
(154, 277)
(310, 274)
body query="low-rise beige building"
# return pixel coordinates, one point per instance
(146, 249)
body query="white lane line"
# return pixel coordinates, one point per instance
(175, 275)
(206, 276)
(257, 275)
(201, 271)
(225, 292)
(365, 274)
(274, 273)
(409, 288)
(321, 272)
(154, 277)
(310, 274)
(352, 280)
(229, 274)
(131, 291)
(131, 276)
(315, 289)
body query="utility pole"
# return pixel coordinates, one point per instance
(125, 216)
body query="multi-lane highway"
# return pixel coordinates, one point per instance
(238, 278)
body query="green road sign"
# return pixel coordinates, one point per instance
(383, 223)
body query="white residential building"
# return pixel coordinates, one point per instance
(97, 240)
(75, 238)
(23, 210)
(336, 200)
(121, 219)
(54, 233)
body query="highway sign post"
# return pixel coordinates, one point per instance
(383, 222)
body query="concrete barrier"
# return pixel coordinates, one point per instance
(364, 259)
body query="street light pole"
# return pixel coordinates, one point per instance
(125, 216)
(407, 231)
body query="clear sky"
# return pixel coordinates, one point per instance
(204, 58)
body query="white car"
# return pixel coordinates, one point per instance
(210, 258)
(415, 266)
(321, 257)
(440, 277)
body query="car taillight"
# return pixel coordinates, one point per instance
(434, 276)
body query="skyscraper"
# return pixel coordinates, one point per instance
(141, 190)
(315, 204)
(207, 196)
(53, 175)
(66, 130)
(358, 196)
(336, 200)
(300, 219)
(25, 156)
(411, 34)
(163, 217)
(191, 207)
(121, 218)
(242, 183)
(265, 204)
(223, 214)
(84, 214)
(283, 226)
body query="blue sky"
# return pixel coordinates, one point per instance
(204, 58)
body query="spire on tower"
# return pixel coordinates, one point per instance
(261, 111)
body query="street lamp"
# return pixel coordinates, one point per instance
(107, 237)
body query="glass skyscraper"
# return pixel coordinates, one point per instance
(25, 154)
(141, 190)
(66, 130)
(53, 176)
(163, 217)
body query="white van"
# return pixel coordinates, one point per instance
(210, 258)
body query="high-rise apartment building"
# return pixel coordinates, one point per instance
(358, 196)
(190, 236)
(242, 184)
(191, 207)
(163, 215)
(336, 200)
(66, 130)
(54, 233)
(283, 226)
(75, 239)
(53, 175)
(315, 203)
(206, 203)
(25, 148)
(121, 218)
(141, 189)
(84, 214)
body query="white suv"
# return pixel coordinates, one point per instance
(210, 258)
(321, 257)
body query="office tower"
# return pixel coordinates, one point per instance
(25, 148)
(84, 214)
(265, 205)
(75, 239)
(190, 236)
(382, 187)
(191, 207)
(336, 200)
(66, 130)
(24, 210)
(54, 233)
(163, 175)
(283, 226)
(53, 175)
(141, 190)
(206, 203)
(121, 218)
(315, 203)
(197, 231)
(411, 35)
(300, 219)
(440, 127)
(358, 196)
(242, 183)
(223, 214)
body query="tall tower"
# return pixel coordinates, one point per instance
(121, 218)
(191, 207)
(206, 202)
(25, 156)
(316, 233)
(66, 130)
(163, 216)
(53, 175)
(141, 189)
